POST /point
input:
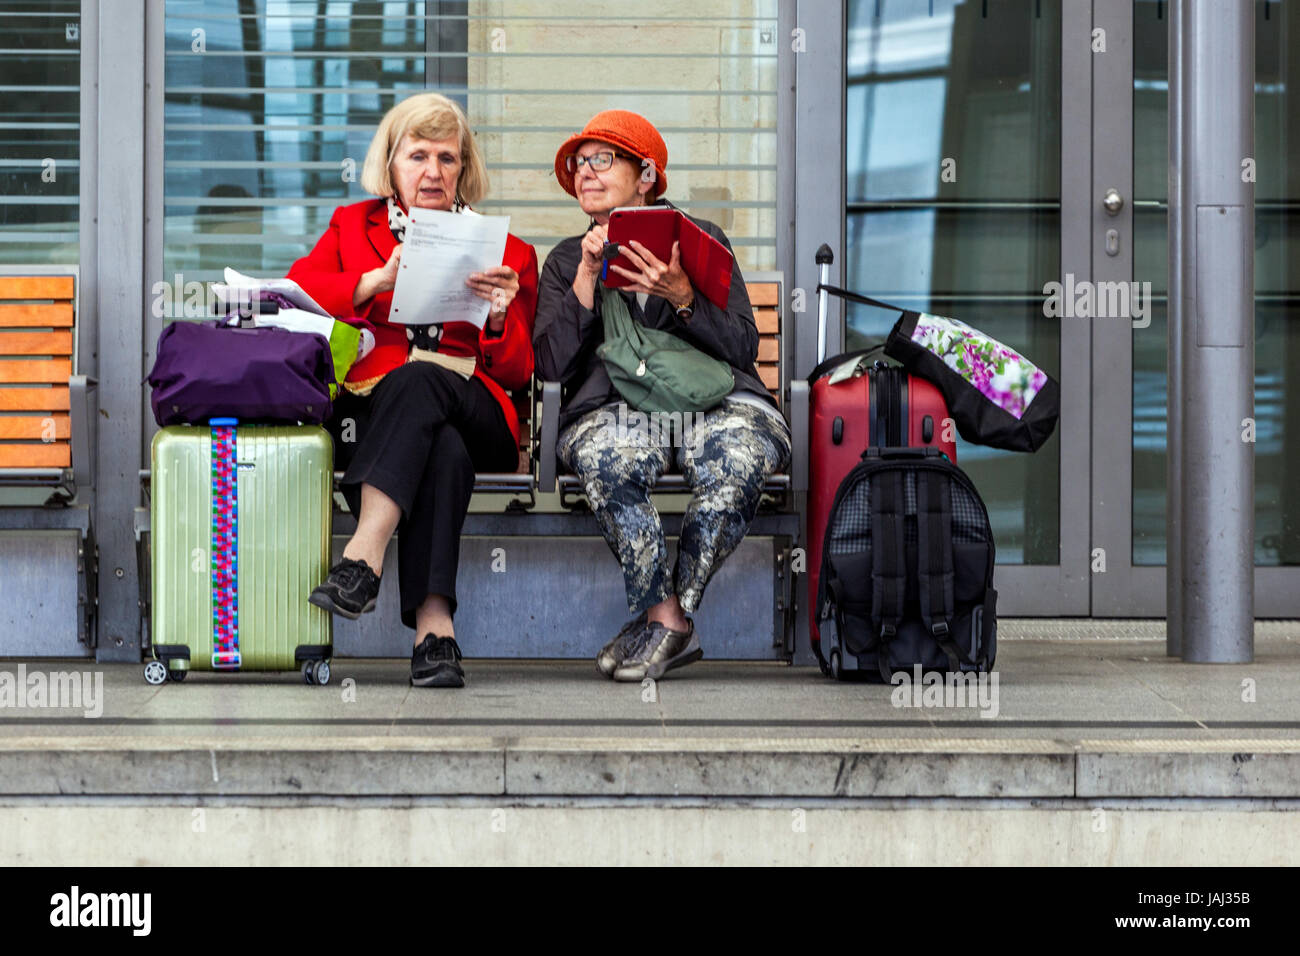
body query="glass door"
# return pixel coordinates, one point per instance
(956, 115)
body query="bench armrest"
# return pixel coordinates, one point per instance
(80, 415)
(799, 435)
(546, 462)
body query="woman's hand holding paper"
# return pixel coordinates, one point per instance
(499, 285)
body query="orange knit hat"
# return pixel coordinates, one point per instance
(624, 129)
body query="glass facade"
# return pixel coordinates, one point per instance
(953, 192)
(1277, 283)
(40, 130)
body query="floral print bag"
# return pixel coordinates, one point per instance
(995, 395)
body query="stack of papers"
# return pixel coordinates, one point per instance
(244, 288)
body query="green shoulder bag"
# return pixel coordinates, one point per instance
(655, 371)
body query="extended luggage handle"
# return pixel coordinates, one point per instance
(825, 258)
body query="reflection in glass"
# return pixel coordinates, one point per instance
(266, 129)
(953, 173)
(40, 132)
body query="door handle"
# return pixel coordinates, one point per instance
(1112, 202)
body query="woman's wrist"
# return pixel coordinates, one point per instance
(365, 288)
(684, 299)
(584, 285)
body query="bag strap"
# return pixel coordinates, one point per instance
(888, 561)
(614, 314)
(864, 299)
(934, 562)
(224, 570)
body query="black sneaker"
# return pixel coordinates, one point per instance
(436, 663)
(350, 590)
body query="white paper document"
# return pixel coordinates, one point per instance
(243, 286)
(440, 252)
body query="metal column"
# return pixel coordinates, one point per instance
(119, 231)
(1173, 377)
(1214, 222)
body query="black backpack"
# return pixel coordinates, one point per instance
(907, 569)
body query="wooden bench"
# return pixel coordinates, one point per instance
(46, 416)
(44, 424)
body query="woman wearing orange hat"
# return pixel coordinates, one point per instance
(619, 159)
(412, 434)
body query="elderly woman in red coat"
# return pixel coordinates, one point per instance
(412, 434)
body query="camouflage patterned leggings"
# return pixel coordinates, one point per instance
(725, 454)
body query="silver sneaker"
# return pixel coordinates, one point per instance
(660, 650)
(612, 654)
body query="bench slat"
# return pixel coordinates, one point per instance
(35, 399)
(35, 287)
(47, 370)
(25, 426)
(762, 293)
(769, 375)
(36, 343)
(42, 455)
(58, 315)
(769, 349)
(768, 322)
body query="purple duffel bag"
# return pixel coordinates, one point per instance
(206, 370)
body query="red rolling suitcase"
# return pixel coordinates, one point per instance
(855, 404)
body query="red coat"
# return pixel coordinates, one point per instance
(358, 239)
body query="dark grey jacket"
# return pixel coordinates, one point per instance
(565, 334)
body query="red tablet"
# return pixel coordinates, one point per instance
(706, 262)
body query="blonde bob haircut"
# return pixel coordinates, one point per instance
(425, 116)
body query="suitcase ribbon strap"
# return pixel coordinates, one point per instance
(225, 547)
(888, 562)
(934, 562)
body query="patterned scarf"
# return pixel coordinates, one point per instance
(398, 220)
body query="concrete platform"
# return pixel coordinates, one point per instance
(1065, 718)
(1078, 727)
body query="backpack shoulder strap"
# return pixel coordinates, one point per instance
(934, 561)
(888, 561)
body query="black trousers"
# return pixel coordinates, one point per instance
(419, 437)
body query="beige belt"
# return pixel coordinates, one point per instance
(462, 365)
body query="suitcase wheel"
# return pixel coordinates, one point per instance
(835, 666)
(178, 674)
(316, 672)
(155, 672)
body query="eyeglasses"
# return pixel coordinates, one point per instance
(599, 162)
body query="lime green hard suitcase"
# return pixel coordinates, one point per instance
(240, 519)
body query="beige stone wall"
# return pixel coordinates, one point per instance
(703, 73)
